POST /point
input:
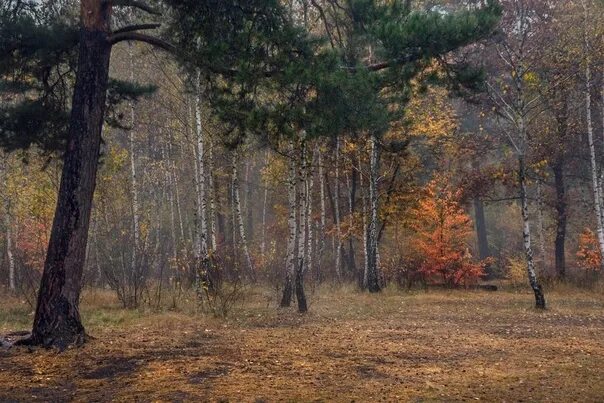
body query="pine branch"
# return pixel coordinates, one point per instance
(137, 27)
(138, 37)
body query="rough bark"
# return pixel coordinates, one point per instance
(57, 320)
(373, 283)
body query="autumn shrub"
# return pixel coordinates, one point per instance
(443, 231)
(589, 258)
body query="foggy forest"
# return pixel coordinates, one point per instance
(301, 200)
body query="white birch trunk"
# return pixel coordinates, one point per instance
(323, 218)
(239, 218)
(372, 272)
(526, 233)
(202, 231)
(309, 224)
(365, 228)
(264, 207)
(133, 175)
(590, 138)
(302, 263)
(9, 249)
(212, 195)
(290, 263)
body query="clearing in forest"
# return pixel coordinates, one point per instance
(397, 346)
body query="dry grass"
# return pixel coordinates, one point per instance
(417, 346)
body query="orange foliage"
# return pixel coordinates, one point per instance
(443, 231)
(588, 255)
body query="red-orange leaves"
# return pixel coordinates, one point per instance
(443, 230)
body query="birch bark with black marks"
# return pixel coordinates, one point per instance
(597, 191)
(323, 217)
(372, 275)
(526, 235)
(133, 174)
(302, 231)
(291, 256)
(239, 217)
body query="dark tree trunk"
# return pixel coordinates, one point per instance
(300, 295)
(352, 265)
(57, 320)
(481, 234)
(561, 218)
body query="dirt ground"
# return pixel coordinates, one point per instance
(398, 346)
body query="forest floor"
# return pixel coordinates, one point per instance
(396, 346)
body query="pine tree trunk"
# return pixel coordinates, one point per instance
(239, 217)
(373, 283)
(526, 235)
(292, 233)
(57, 320)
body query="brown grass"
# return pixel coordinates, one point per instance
(397, 346)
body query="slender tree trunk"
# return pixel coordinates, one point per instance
(561, 219)
(239, 217)
(526, 235)
(323, 218)
(352, 265)
(540, 219)
(202, 248)
(373, 283)
(133, 175)
(212, 194)
(365, 227)
(309, 185)
(338, 254)
(302, 232)
(292, 232)
(57, 320)
(9, 247)
(597, 191)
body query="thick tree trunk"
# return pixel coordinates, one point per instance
(561, 219)
(57, 320)
(526, 235)
(292, 233)
(373, 283)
